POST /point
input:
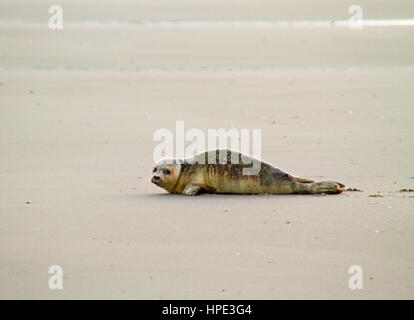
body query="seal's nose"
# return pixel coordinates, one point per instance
(155, 179)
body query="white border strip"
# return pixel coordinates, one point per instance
(210, 24)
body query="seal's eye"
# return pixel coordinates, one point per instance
(166, 171)
(154, 170)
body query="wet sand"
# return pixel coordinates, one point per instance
(78, 109)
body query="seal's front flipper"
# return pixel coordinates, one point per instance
(191, 190)
(326, 187)
(301, 180)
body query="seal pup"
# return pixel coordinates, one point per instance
(222, 171)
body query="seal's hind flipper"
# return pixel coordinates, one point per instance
(341, 185)
(328, 187)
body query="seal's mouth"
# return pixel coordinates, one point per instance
(156, 180)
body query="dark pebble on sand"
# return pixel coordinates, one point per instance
(353, 189)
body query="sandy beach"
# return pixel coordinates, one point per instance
(79, 107)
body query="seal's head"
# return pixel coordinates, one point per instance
(165, 173)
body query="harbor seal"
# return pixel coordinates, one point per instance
(198, 175)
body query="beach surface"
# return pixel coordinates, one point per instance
(79, 107)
